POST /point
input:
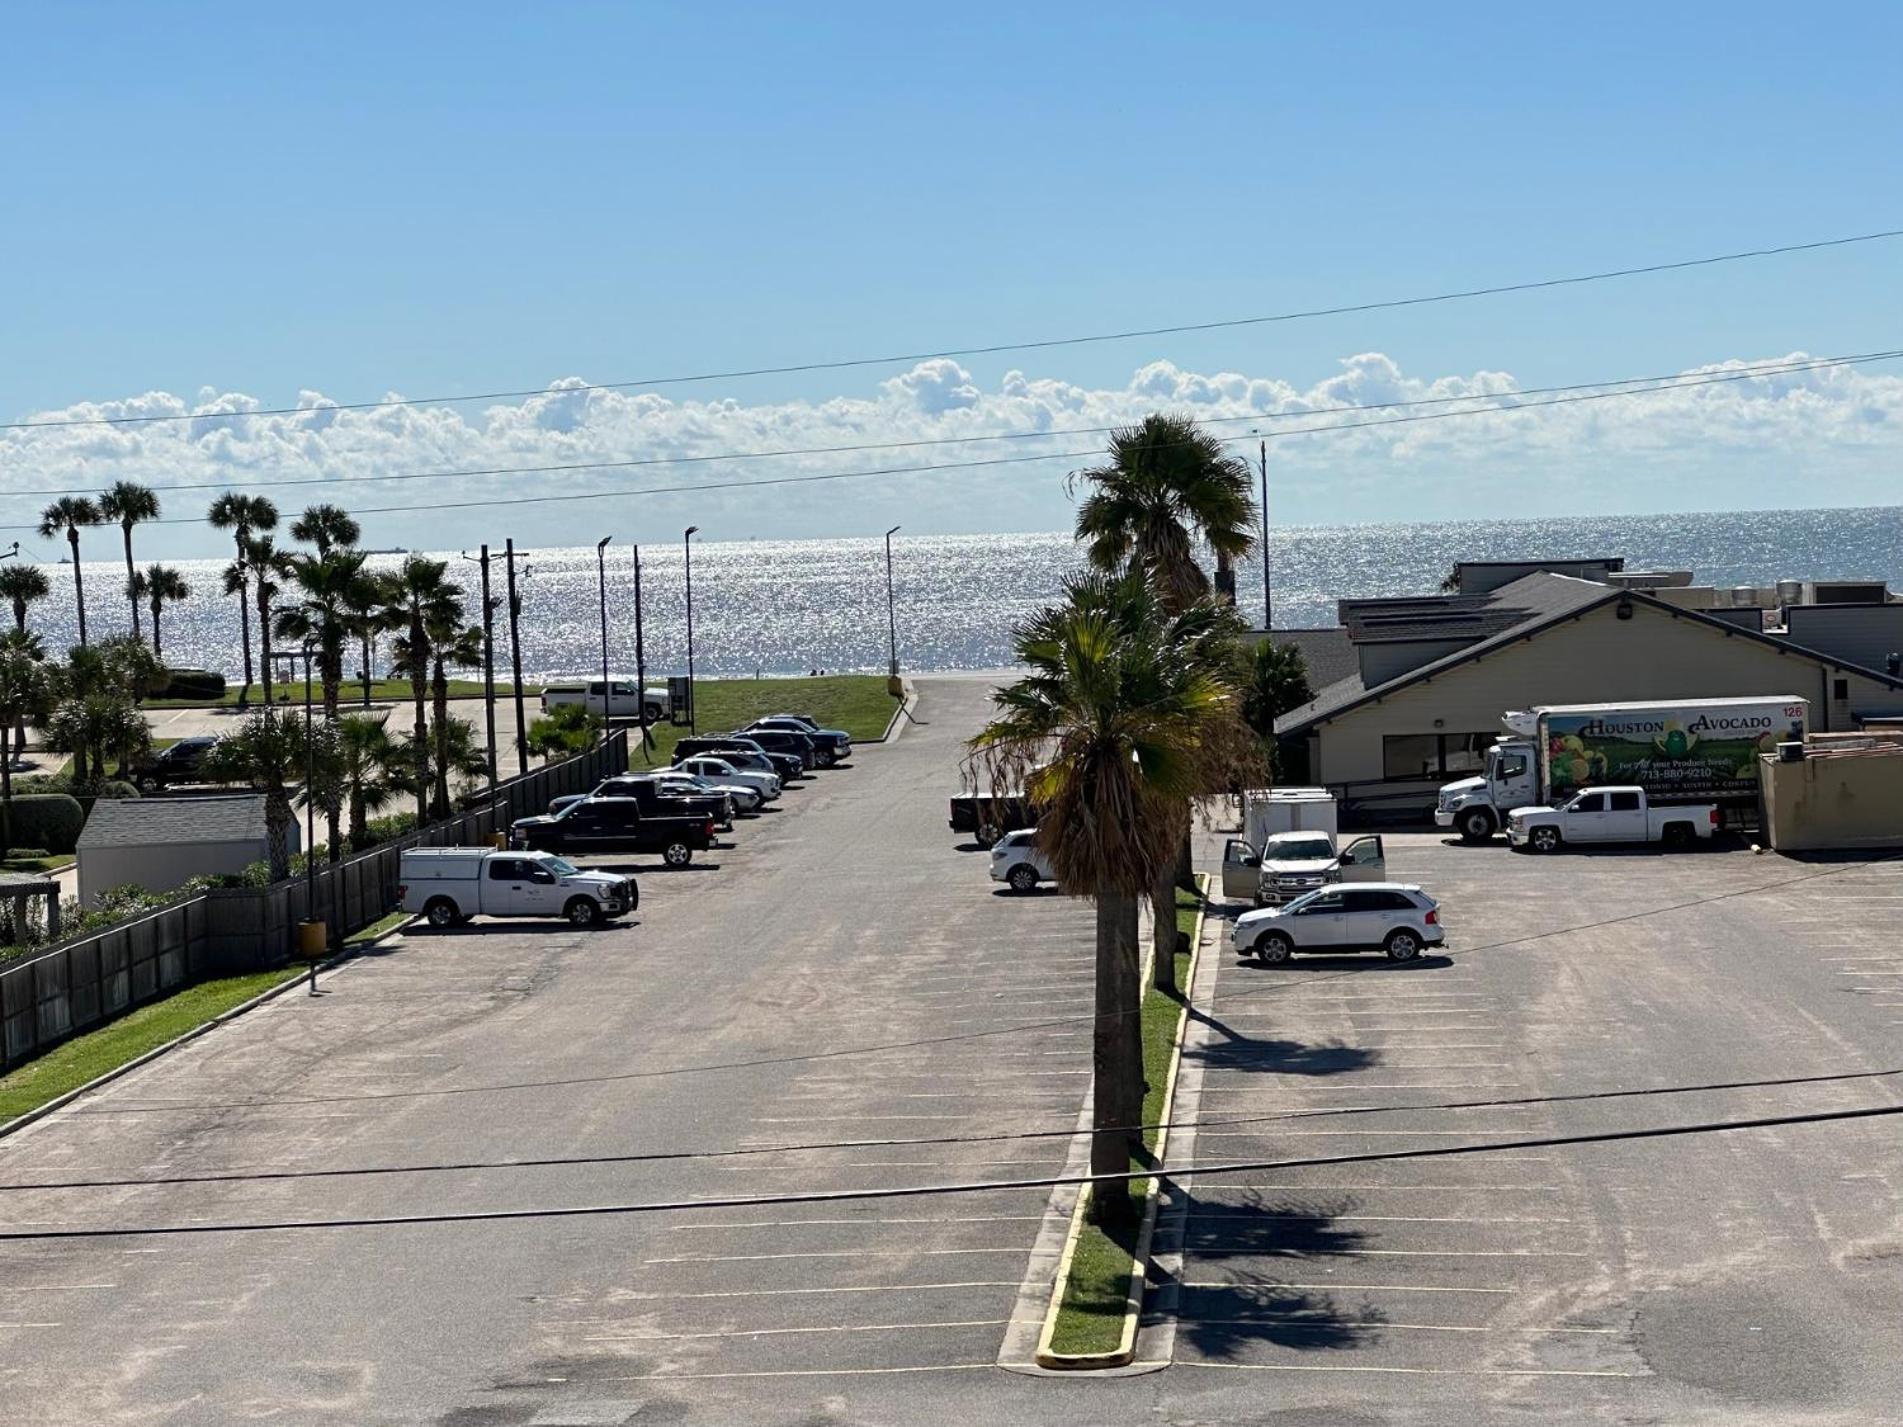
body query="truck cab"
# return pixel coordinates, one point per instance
(1477, 807)
(1292, 864)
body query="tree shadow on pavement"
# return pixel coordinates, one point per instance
(1264, 1055)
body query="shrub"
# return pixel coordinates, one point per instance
(193, 684)
(376, 831)
(28, 854)
(49, 820)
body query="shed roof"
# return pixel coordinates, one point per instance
(151, 822)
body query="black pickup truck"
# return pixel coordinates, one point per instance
(645, 790)
(617, 825)
(988, 818)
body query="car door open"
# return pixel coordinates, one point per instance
(1364, 861)
(1241, 870)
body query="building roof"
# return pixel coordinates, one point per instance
(1328, 654)
(152, 822)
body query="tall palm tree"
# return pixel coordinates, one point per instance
(422, 598)
(23, 585)
(242, 515)
(328, 583)
(267, 567)
(328, 527)
(26, 695)
(126, 504)
(1167, 485)
(1119, 721)
(69, 513)
(160, 585)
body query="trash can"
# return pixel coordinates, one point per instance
(312, 940)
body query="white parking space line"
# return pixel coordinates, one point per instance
(1409, 1372)
(1384, 1325)
(780, 1293)
(1013, 1249)
(857, 1223)
(1331, 1186)
(787, 1332)
(802, 1372)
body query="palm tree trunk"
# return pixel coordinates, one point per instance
(244, 620)
(278, 818)
(419, 734)
(6, 789)
(155, 628)
(19, 615)
(132, 576)
(359, 813)
(440, 697)
(1116, 1056)
(1163, 930)
(79, 585)
(264, 639)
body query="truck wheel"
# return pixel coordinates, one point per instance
(1677, 835)
(1477, 824)
(826, 758)
(1023, 878)
(582, 911)
(1543, 839)
(988, 833)
(1274, 948)
(442, 913)
(1403, 945)
(677, 854)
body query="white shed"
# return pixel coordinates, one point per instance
(159, 843)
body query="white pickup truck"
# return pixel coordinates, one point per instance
(619, 700)
(449, 885)
(1610, 815)
(1290, 864)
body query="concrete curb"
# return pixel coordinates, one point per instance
(1122, 1359)
(60, 1102)
(895, 725)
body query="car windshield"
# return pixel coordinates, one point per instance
(1299, 848)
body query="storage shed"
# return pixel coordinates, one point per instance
(160, 843)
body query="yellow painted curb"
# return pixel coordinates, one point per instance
(1125, 1351)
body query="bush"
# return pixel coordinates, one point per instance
(49, 820)
(193, 684)
(28, 854)
(376, 831)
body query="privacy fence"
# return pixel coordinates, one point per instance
(87, 980)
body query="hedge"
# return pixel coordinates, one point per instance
(49, 820)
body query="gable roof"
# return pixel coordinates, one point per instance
(152, 822)
(1548, 599)
(1327, 654)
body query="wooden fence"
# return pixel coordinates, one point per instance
(87, 980)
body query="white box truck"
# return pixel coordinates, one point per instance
(1679, 751)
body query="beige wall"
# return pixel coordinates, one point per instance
(1854, 800)
(1598, 658)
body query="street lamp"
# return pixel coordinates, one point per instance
(687, 549)
(515, 657)
(488, 668)
(1263, 448)
(9, 554)
(891, 616)
(601, 575)
(291, 657)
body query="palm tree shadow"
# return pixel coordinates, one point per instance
(1258, 1055)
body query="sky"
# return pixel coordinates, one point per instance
(210, 210)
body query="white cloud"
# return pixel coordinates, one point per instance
(1831, 435)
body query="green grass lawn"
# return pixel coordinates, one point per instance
(1091, 1319)
(381, 691)
(36, 864)
(857, 703)
(84, 1058)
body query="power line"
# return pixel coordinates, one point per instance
(1709, 379)
(1669, 381)
(995, 348)
(982, 1186)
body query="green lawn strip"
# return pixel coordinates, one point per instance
(36, 864)
(376, 929)
(84, 1058)
(381, 691)
(857, 703)
(1091, 1317)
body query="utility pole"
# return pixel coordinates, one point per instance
(1267, 622)
(515, 663)
(601, 574)
(489, 673)
(640, 658)
(891, 615)
(687, 551)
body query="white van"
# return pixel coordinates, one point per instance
(449, 885)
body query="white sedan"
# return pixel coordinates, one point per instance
(719, 770)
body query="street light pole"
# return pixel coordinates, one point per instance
(515, 664)
(1266, 620)
(891, 615)
(601, 572)
(687, 548)
(489, 673)
(640, 657)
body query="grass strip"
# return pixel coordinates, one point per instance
(380, 927)
(37, 864)
(856, 703)
(87, 1057)
(1090, 1319)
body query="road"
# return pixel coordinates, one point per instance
(1739, 1278)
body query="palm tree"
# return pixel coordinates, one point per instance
(26, 693)
(422, 598)
(265, 566)
(1167, 485)
(95, 705)
(69, 513)
(23, 585)
(241, 515)
(127, 503)
(160, 585)
(267, 756)
(370, 767)
(1120, 720)
(452, 643)
(369, 615)
(328, 527)
(328, 583)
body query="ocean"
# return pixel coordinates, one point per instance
(794, 606)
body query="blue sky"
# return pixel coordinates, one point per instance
(433, 199)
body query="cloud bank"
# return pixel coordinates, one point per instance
(1824, 436)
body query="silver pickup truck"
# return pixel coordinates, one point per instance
(1291, 864)
(1610, 815)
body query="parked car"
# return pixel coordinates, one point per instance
(647, 788)
(613, 699)
(1017, 861)
(786, 765)
(725, 771)
(183, 762)
(1395, 917)
(1289, 864)
(1611, 815)
(830, 744)
(987, 818)
(449, 885)
(741, 797)
(793, 742)
(616, 825)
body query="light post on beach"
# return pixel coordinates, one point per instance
(601, 574)
(687, 550)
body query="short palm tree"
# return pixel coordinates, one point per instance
(328, 527)
(160, 585)
(26, 695)
(368, 617)
(23, 585)
(69, 514)
(126, 504)
(1120, 719)
(95, 705)
(266, 754)
(460, 645)
(422, 599)
(328, 583)
(371, 768)
(242, 515)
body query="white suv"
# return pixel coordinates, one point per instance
(1015, 860)
(1395, 917)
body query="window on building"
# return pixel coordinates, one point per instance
(1418, 756)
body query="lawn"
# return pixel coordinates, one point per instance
(36, 864)
(84, 1058)
(1096, 1293)
(857, 703)
(381, 690)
